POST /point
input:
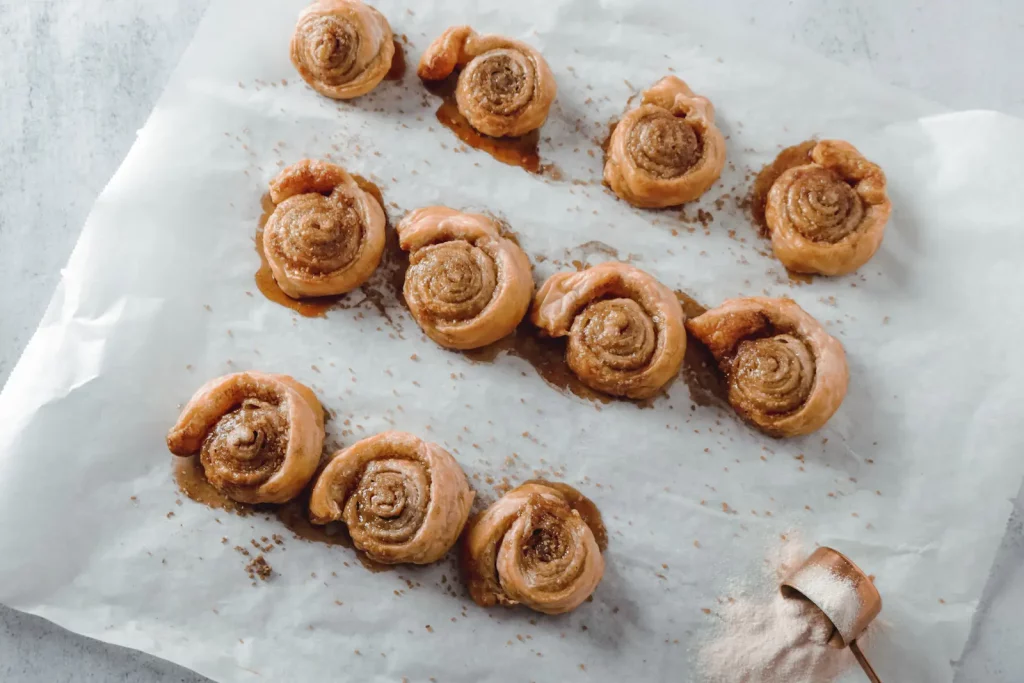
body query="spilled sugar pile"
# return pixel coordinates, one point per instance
(761, 636)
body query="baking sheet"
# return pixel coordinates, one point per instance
(913, 481)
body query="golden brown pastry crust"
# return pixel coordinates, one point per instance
(625, 329)
(466, 286)
(828, 216)
(532, 546)
(342, 48)
(258, 435)
(668, 150)
(403, 499)
(326, 235)
(505, 87)
(786, 375)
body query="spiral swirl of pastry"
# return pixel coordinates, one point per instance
(785, 374)
(258, 435)
(668, 150)
(828, 216)
(532, 547)
(342, 48)
(326, 235)
(466, 286)
(505, 87)
(625, 329)
(403, 499)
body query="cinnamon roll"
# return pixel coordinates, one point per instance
(785, 374)
(258, 435)
(342, 48)
(505, 87)
(326, 235)
(534, 547)
(668, 150)
(403, 499)
(828, 216)
(466, 286)
(625, 329)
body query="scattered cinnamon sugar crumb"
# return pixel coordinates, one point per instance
(259, 567)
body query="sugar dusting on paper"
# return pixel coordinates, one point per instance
(763, 636)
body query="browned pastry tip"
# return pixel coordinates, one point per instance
(258, 435)
(786, 375)
(505, 87)
(535, 546)
(342, 48)
(668, 150)
(828, 216)
(625, 329)
(467, 286)
(326, 234)
(402, 498)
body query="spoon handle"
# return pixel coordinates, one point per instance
(862, 660)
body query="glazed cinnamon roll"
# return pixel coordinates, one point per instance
(342, 48)
(258, 435)
(828, 215)
(668, 150)
(326, 235)
(466, 286)
(625, 329)
(534, 546)
(786, 375)
(505, 87)
(403, 499)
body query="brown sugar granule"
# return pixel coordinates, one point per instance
(259, 568)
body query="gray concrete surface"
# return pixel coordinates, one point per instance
(80, 76)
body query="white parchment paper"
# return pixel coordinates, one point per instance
(911, 478)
